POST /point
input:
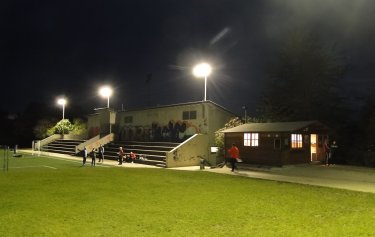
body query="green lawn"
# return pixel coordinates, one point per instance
(53, 197)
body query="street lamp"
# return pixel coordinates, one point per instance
(245, 108)
(62, 102)
(106, 92)
(203, 70)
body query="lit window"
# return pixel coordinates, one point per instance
(251, 139)
(296, 140)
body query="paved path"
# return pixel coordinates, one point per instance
(88, 161)
(336, 176)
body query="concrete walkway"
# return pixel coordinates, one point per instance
(88, 161)
(335, 176)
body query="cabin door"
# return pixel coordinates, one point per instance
(313, 151)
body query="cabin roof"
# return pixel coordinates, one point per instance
(278, 127)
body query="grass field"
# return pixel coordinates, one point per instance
(41, 196)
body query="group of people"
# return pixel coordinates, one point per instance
(329, 152)
(121, 155)
(93, 153)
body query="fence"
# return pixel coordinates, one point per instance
(5, 158)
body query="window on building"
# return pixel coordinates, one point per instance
(128, 119)
(296, 141)
(193, 114)
(186, 115)
(251, 139)
(277, 144)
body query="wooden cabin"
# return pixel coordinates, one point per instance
(280, 143)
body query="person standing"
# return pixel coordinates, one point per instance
(120, 154)
(93, 157)
(84, 156)
(333, 149)
(101, 153)
(326, 152)
(234, 154)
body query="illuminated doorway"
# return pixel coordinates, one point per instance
(313, 138)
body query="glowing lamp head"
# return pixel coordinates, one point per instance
(202, 70)
(105, 91)
(61, 101)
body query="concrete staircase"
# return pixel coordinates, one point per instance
(150, 153)
(62, 146)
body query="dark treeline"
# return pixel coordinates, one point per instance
(304, 82)
(18, 128)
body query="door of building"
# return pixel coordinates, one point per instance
(313, 148)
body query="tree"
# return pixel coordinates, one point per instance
(42, 127)
(79, 127)
(302, 82)
(219, 135)
(46, 128)
(64, 126)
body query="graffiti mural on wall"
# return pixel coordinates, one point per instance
(93, 131)
(172, 132)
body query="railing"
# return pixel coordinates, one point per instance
(49, 139)
(188, 153)
(95, 142)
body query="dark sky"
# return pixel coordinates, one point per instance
(52, 48)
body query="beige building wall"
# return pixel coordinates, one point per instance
(189, 153)
(210, 117)
(101, 123)
(161, 115)
(206, 118)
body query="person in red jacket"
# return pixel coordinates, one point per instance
(234, 154)
(133, 156)
(326, 152)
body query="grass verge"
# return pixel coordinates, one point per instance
(70, 200)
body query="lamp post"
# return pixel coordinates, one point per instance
(245, 108)
(203, 70)
(106, 92)
(62, 102)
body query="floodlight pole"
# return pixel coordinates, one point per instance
(205, 87)
(202, 70)
(245, 108)
(63, 108)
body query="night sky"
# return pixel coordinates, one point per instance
(146, 49)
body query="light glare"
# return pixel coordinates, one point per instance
(105, 91)
(61, 101)
(202, 70)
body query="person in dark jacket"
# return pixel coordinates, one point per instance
(101, 153)
(93, 157)
(120, 154)
(84, 156)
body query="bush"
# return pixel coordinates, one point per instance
(369, 158)
(219, 135)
